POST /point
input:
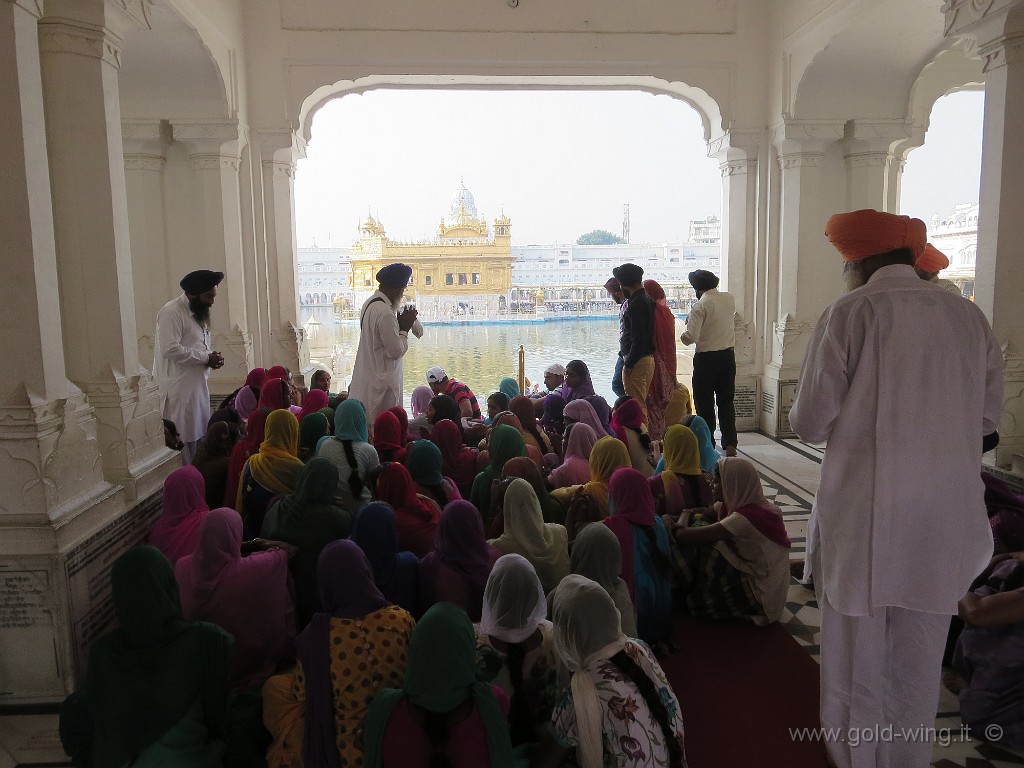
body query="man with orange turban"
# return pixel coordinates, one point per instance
(930, 263)
(899, 528)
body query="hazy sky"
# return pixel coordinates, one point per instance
(560, 163)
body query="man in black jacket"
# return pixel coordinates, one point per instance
(636, 338)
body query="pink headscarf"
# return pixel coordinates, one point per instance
(256, 377)
(274, 394)
(575, 468)
(421, 399)
(314, 400)
(630, 503)
(584, 413)
(245, 402)
(629, 415)
(220, 586)
(176, 532)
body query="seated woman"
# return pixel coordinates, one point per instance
(578, 384)
(421, 396)
(990, 650)
(353, 456)
(527, 469)
(597, 554)
(442, 407)
(589, 503)
(355, 647)
(575, 466)
(709, 455)
(156, 690)
(387, 438)
(646, 555)
(309, 519)
(425, 465)
(458, 461)
(395, 572)
(442, 714)
(609, 672)
(403, 424)
(314, 400)
(177, 531)
(509, 419)
(739, 566)
(581, 411)
(515, 647)
(682, 484)
(553, 420)
(523, 409)
(220, 586)
(545, 545)
(456, 570)
(213, 457)
(416, 516)
(312, 430)
(509, 387)
(255, 431)
(275, 394)
(505, 443)
(497, 402)
(628, 425)
(245, 402)
(271, 472)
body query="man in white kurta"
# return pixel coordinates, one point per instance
(183, 357)
(383, 341)
(901, 380)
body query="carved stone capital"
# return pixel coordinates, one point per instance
(867, 160)
(215, 163)
(142, 162)
(737, 167)
(1001, 52)
(790, 335)
(744, 141)
(59, 36)
(35, 7)
(809, 132)
(800, 160)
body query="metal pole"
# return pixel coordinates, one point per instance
(521, 377)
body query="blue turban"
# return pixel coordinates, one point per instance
(395, 275)
(200, 281)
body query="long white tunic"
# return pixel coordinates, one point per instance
(902, 379)
(179, 367)
(377, 372)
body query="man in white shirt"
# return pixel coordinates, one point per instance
(183, 357)
(899, 527)
(711, 325)
(383, 342)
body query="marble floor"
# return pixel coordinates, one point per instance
(789, 472)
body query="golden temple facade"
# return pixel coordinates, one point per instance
(468, 265)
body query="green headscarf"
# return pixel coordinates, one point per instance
(329, 413)
(504, 443)
(145, 677)
(509, 387)
(350, 422)
(440, 674)
(311, 429)
(424, 463)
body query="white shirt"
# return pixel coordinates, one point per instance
(902, 379)
(711, 323)
(179, 367)
(377, 373)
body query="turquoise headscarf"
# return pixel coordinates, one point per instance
(424, 463)
(509, 387)
(440, 674)
(350, 422)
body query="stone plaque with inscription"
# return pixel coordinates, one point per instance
(745, 402)
(26, 630)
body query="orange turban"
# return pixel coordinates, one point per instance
(868, 232)
(932, 260)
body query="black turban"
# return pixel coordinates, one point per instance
(200, 281)
(628, 274)
(395, 275)
(702, 280)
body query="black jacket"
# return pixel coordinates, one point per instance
(637, 339)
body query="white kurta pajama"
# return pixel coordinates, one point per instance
(179, 366)
(377, 372)
(901, 379)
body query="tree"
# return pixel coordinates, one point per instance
(599, 237)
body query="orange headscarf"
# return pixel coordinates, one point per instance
(868, 232)
(932, 260)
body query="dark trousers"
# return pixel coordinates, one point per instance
(714, 380)
(617, 387)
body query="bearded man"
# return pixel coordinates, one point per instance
(183, 357)
(899, 528)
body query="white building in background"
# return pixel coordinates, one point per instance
(957, 237)
(324, 274)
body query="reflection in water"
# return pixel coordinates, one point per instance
(480, 355)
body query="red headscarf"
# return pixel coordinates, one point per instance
(867, 232)
(629, 415)
(255, 430)
(277, 372)
(459, 462)
(932, 259)
(403, 421)
(256, 377)
(630, 503)
(314, 400)
(415, 518)
(273, 394)
(387, 436)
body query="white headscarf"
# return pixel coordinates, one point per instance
(741, 485)
(514, 604)
(545, 545)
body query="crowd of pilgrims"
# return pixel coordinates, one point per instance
(441, 593)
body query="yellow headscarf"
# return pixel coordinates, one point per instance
(679, 405)
(277, 466)
(681, 451)
(607, 455)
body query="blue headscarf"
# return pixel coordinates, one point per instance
(509, 387)
(350, 422)
(709, 456)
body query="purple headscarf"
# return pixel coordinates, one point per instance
(584, 413)
(346, 590)
(603, 411)
(462, 546)
(245, 402)
(553, 420)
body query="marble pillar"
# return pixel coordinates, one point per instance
(214, 149)
(997, 30)
(868, 148)
(806, 278)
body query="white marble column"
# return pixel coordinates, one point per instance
(214, 153)
(279, 153)
(80, 54)
(998, 30)
(145, 159)
(737, 154)
(868, 156)
(805, 279)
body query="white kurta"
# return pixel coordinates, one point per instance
(902, 379)
(179, 367)
(377, 372)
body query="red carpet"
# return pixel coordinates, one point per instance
(741, 688)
